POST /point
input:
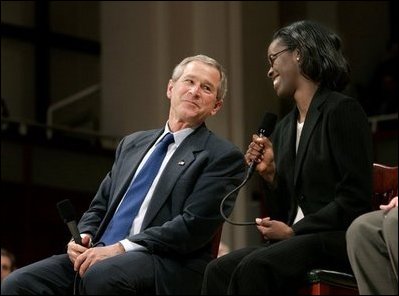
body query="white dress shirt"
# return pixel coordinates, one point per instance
(179, 136)
(299, 126)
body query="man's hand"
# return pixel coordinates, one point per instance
(93, 255)
(392, 204)
(74, 249)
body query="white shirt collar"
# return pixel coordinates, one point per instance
(179, 135)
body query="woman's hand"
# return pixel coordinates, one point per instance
(273, 229)
(260, 151)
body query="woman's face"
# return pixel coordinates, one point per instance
(284, 69)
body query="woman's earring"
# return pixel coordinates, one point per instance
(297, 58)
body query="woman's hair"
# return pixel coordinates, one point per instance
(321, 58)
(222, 88)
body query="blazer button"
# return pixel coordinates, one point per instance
(301, 197)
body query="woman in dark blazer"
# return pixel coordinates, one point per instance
(316, 169)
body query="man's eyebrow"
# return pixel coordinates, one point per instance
(207, 82)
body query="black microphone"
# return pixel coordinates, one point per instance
(67, 213)
(265, 129)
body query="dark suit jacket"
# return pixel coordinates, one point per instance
(330, 176)
(183, 214)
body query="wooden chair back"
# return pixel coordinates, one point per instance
(330, 282)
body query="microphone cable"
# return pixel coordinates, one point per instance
(266, 128)
(76, 280)
(247, 177)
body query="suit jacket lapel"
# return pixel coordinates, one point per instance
(178, 163)
(310, 122)
(125, 171)
(131, 162)
(288, 149)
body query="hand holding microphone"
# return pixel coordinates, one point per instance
(260, 156)
(266, 128)
(67, 213)
(255, 149)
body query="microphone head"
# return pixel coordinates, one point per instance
(268, 123)
(66, 210)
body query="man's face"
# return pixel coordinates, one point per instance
(5, 266)
(193, 95)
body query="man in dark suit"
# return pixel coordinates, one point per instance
(169, 242)
(316, 170)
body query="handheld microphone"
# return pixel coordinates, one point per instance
(266, 128)
(67, 213)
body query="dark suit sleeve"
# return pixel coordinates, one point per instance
(94, 216)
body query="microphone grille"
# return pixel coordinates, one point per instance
(66, 210)
(268, 123)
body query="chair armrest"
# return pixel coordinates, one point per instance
(331, 277)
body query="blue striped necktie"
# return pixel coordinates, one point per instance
(120, 224)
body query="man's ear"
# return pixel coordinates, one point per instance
(217, 106)
(169, 88)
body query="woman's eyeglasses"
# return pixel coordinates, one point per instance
(274, 56)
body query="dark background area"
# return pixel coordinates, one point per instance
(38, 171)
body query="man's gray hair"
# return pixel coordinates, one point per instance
(222, 88)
